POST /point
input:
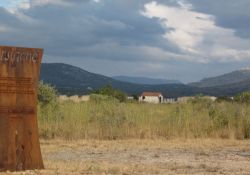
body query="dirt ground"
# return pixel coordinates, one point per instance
(202, 156)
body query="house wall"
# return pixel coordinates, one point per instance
(184, 99)
(151, 99)
(75, 98)
(170, 100)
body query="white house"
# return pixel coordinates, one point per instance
(151, 97)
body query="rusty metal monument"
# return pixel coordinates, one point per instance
(19, 139)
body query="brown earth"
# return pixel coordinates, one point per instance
(201, 156)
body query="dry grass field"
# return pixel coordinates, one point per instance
(107, 137)
(109, 120)
(124, 157)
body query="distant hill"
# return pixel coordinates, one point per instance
(227, 89)
(145, 80)
(71, 80)
(235, 77)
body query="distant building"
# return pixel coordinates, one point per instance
(170, 100)
(75, 98)
(151, 97)
(184, 99)
(212, 98)
(130, 98)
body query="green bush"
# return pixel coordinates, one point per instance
(224, 99)
(46, 94)
(48, 106)
(243, 97)
(109, 91)
(219, 118)
(97, 98)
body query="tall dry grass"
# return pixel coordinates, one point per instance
(109, 119)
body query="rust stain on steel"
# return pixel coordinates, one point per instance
(17, 110)
(19, 139)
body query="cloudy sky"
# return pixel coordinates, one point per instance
(174, 39)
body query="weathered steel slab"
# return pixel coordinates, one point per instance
(19, 140)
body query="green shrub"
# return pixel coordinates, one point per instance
(219, 119)
(224, 99)
(48, 106)
(97, 98)
(109, 91)
(243, 97)
(46, 94)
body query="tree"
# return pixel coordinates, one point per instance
(46, 94)
(108, 90)
(47, 102)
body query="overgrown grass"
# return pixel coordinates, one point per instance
(109, 119)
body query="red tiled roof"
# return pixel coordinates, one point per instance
(154, 94)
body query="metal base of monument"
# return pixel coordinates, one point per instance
(21, 147)
(19, 139)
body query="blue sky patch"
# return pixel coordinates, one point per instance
(11, 3)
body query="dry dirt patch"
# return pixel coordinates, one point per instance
(202, 156)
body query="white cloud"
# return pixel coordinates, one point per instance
(196, 33)
(44, 2)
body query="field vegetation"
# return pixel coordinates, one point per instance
(109, 135)
(106, 117)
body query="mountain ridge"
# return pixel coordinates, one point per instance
(72, 80)
(225, 79)
(145, 80)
